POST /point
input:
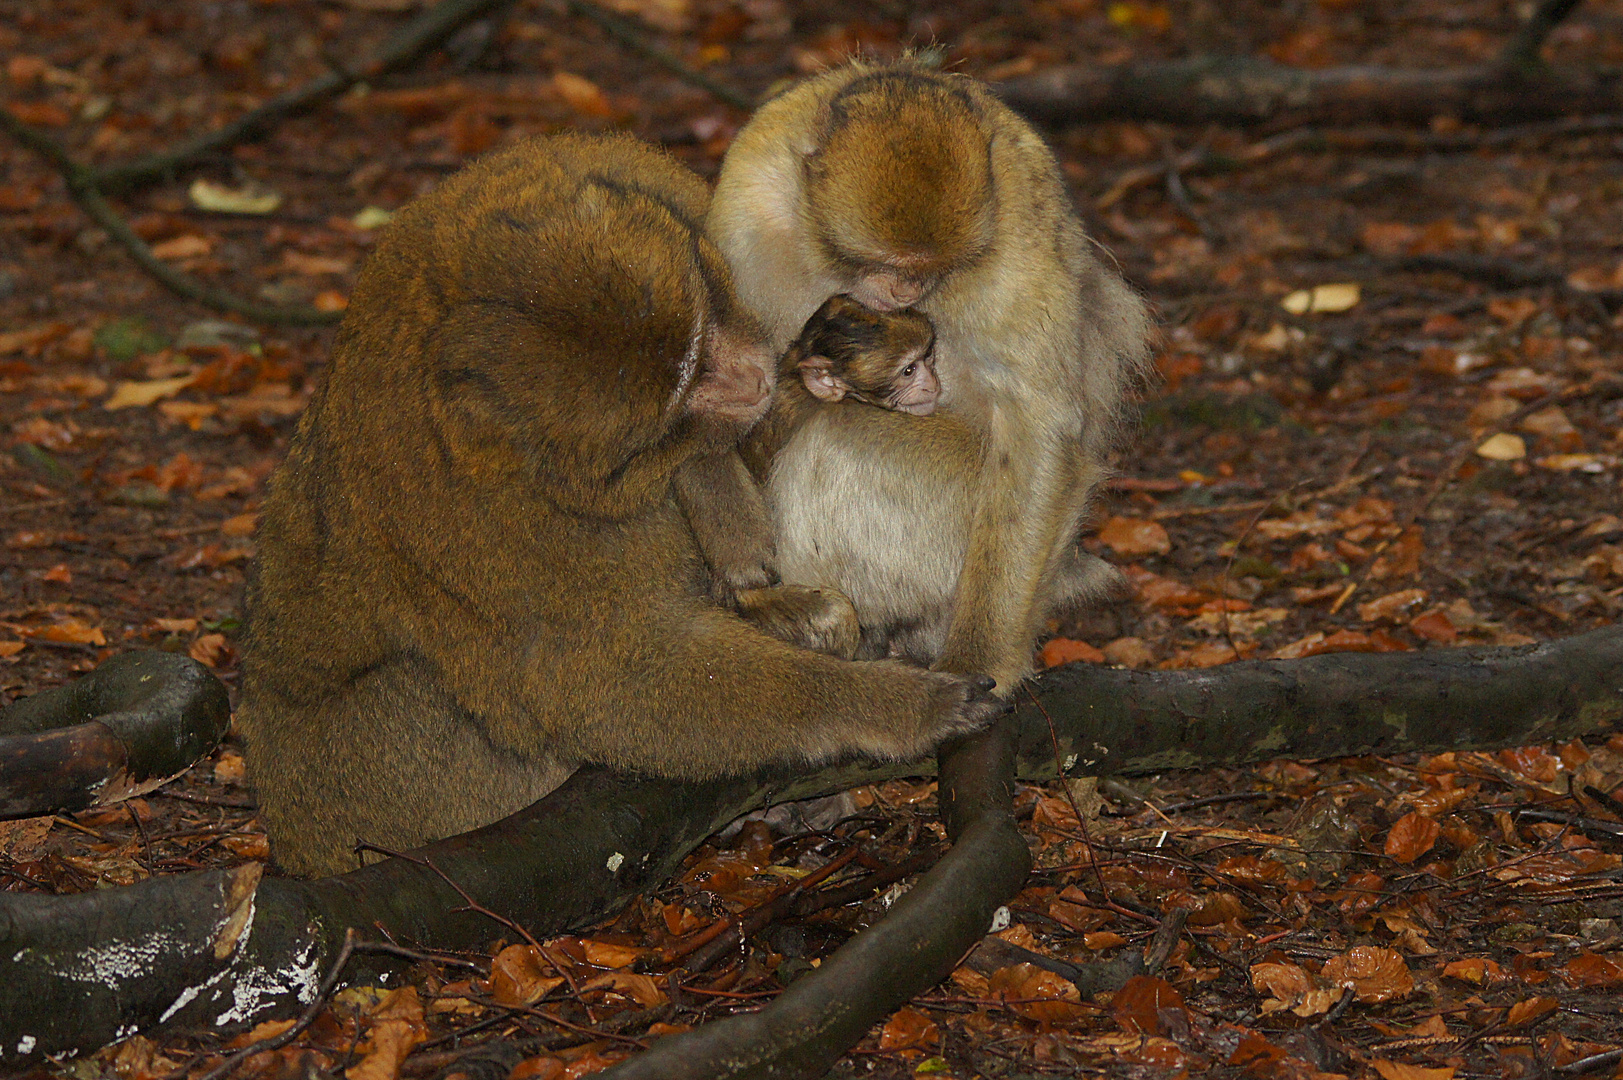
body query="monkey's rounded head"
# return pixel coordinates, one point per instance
(903, 176)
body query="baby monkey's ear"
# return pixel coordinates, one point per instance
(817, 372)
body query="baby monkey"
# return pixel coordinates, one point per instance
(848, 350)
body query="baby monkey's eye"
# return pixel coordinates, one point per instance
(907, 372)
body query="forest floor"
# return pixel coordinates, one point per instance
(1420, 454)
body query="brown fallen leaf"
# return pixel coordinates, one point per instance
(1135, 537)
(1411, 836)
(1374, 972)
(133, 394)
(908, 1028)
(1066, 650)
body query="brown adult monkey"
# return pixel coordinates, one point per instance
(472, 573)
(907, 187)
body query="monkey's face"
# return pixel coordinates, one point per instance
(915, 388)
(733, 388)
(886, 288)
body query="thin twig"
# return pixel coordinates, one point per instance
(404, 48)
(470, 904)
(276, 1042)
(627, 33)
(82, 189)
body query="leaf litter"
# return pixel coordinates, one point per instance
(1407, 918)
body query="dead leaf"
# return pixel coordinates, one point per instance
(1128, 652)
(315, 265)
(1392, 606)
(1065, 651)
(1038, 994)
(1411, 836)
(185, 246)
(396, 1029)
(906, 1029)
(519, 976)
(1588, 971)
(207, 195)
(70, 631)
(639, 988)
(582, 95)
(1474, 969)
(128, 394)
(1136, 1004)
(1395, 1070)
(1374, 972)
(214, 651)
(1530, 1010)
(1322, 298)
(1135, 537)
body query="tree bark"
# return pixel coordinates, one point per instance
(1250, 90)
(133, 724)
(218, 949)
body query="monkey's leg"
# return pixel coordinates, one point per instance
(822, 619)
(729, 518)
(1025, 510)
(389, 759)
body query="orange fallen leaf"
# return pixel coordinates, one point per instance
(1390, 607)
(608, 955)
(213, 651)
(1591, 972)
(1065, 651)
(1411, 836)
(908, 1028)
(519, 976)
(1135, 1006)
(639, 988)
(1396, 1070)
(1473, 969)
(70, 632)
(1374, 972)
(1135, 537)
(1434, 626)
(1530, 1010)
(128, 394)
(185, 246)
(11, 648)
(582, 94)
(1038, 994)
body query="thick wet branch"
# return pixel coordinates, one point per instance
(186, 953)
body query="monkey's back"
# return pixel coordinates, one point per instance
(467, 493)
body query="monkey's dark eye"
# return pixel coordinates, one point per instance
(907, 372)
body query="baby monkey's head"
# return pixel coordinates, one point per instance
(848, 350)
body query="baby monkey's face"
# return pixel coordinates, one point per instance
(883, 358)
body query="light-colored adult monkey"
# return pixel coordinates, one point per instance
(907, 187)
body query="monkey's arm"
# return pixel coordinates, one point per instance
(730, 521)
(715, 696)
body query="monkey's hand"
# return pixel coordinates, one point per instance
(961, 705)
(813, 618)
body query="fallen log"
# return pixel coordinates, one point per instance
(133, 724)
(1246, 90)
(226, 949)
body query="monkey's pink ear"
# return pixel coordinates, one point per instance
(818, 375)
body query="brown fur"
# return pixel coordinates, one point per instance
(473, 574)
(909, 187)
